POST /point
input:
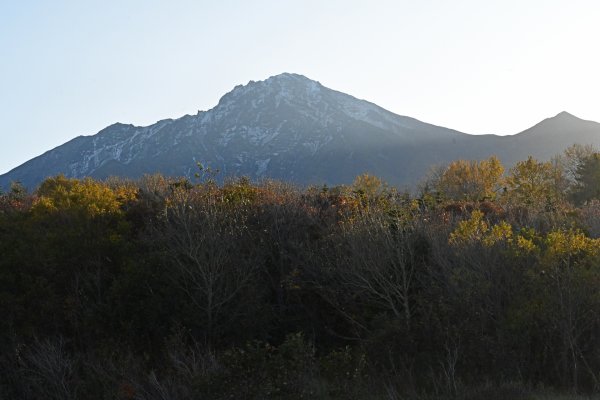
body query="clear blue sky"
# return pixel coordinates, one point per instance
(70, 68)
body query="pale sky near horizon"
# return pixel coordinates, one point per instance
(70, 68)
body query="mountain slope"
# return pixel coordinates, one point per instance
(290, 127)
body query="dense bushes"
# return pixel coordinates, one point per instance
(163, 288)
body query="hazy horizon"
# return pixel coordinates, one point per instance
(71, 69)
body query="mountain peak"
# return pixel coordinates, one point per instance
(289, 77)
(285, 82)
(567, 119)
(565, 115)
(563, 128)
(286, 86)
(563, 118)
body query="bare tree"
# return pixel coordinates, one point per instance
(377, 259)
(211, 266)
(571, 291)
(48, 370)
(590, 217)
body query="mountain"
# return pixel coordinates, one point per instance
(290, 127)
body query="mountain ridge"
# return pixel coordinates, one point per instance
(293, 128)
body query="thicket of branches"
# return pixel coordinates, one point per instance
(485, 283)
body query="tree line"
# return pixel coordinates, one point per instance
(486, 282)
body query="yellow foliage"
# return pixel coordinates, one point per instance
(368, 185)
(125, 194)
(88, 196)
(476, 229)
(501, 232)
(524, 245)
(470, 230)
(371, 191)
(561, 244)
(239, 192)
(534, 184)
(471, 180)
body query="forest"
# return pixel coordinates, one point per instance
(482, 284)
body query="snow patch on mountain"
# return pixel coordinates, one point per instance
(261, 167)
